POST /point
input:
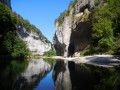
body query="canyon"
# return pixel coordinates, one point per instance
(74, 31)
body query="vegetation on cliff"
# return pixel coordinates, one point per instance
(65, 13)
(106, 29)
(29, 27)
(10, 44)
(105, 20)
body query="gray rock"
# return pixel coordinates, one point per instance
(75, 33)
(35, 43)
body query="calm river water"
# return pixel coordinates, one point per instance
(49, 74)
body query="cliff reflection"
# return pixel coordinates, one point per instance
(36, 70)
(71, 76)
(61, 76)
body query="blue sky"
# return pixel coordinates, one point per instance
(41, 13)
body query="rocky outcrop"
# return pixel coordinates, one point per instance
(74, 34)
(36, 43)
(6, 2)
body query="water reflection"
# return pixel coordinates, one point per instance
(36, 70)
(49, 74)
(9, 72)
(71, 76)
(61, 76)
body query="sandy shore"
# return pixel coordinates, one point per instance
(101, 60)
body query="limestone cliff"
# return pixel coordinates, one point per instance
(74, 33)
(36, 43)
(6, 2)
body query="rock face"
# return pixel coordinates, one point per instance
(6, 2)
(74, 34)
(36, 44)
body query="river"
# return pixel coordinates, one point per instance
(51, 74)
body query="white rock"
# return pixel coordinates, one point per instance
(35, 43)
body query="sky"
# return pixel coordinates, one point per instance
(41, 13)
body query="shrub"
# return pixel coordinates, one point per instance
(10, 44)
(50, 53)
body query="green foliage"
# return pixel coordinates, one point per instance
(50, 53)
(106, 26)
(7, 43)
(20, 49)
(91, 51)
(103, 33)
(53, 37)
(60, 19)
(27, 25)
(73, 3)
(10, 44)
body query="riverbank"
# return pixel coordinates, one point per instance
(101, 60)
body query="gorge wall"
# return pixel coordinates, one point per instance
(6, 2)
(36, 43)
(73, 35)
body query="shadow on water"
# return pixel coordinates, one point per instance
(103, 60)
(9, 71)
(24, 75)
(71, 76)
